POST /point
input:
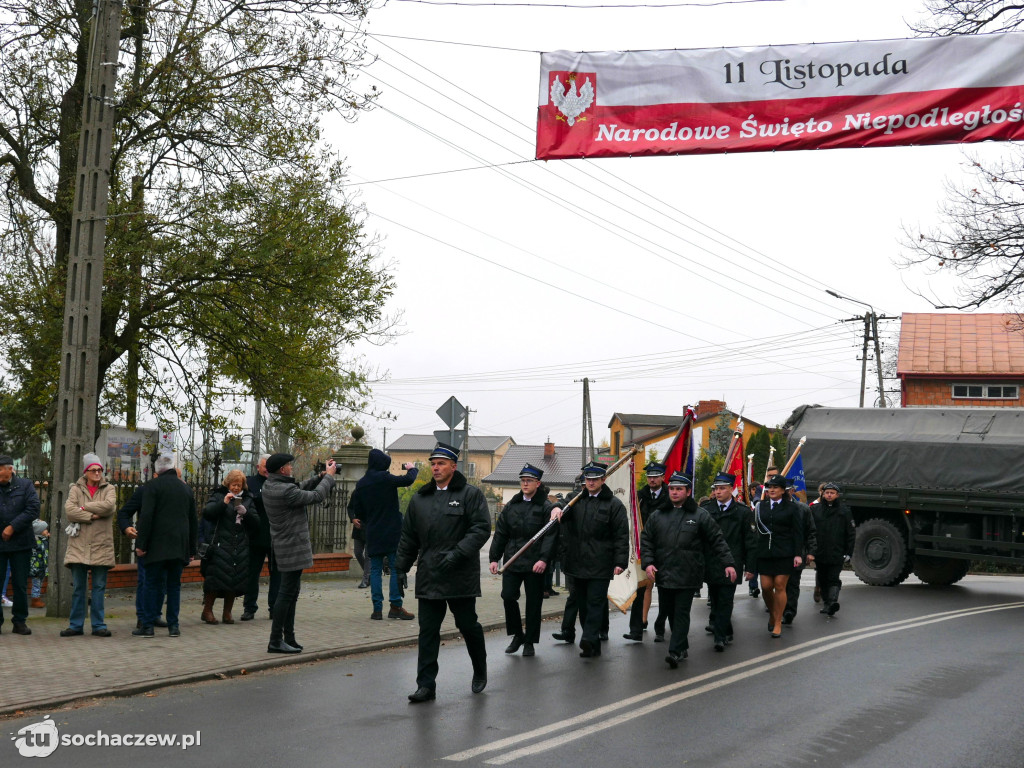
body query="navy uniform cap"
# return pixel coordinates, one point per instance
(654, 469)
(790, 483)
(531, 472)
(679, 479)
(443, 451)
(595, 469)
(724, 478)
(776, 482)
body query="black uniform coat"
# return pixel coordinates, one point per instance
(226, 565)
(674, 542)
(519, 522)
(780, 532)
(19, 506)
(737, 524)
(648, 504)
(810, 545)
(168, 525)
(835, 530)
(594, 536)
(444, 532)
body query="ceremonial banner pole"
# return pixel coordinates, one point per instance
(771, 458)
(789, 464)
(547, 526)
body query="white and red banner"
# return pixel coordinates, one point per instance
(875, 93)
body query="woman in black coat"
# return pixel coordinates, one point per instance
(231, 510)
(780, 541)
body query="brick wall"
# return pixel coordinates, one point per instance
(126, 576)
(932, 392)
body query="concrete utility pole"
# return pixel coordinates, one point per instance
(878, 360)
(78, 388)
(864, 359)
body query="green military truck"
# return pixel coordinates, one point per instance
(931, 489)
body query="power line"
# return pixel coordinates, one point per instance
(587, 6)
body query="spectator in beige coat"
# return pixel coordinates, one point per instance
(89, 510)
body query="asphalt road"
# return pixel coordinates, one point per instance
(903, 677)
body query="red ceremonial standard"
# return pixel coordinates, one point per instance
(875, 93)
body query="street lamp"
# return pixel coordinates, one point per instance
(870, 326)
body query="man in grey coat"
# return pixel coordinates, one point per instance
(285, 502)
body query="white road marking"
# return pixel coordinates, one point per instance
(612, 715)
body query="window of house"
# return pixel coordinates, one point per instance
(986, 391)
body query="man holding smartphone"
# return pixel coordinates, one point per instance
(374, 508)
(285, 502)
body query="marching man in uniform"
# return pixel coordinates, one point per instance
(520, 520)
(672, 545)
(595, 540)
(737, 523)
(445, 528)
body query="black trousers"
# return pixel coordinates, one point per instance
(676, 604)
(533, 585)
(793, 592)
(826, 577)
(723, 596)
(257, 556)
(592, 601)
(283, 612)
(636, 612)
(431, 614)
(19, 561)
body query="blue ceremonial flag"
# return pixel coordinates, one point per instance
(796, 474)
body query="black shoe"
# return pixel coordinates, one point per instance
(281, 647)
(709, 629)
(479, 683)
(728, 639)
(564, 637)
(21, 628)
(363, 584)
(645, 626)
(174, 630)
(719, 646)
(101, 632)
(69, 632)
(603, 637)
(516, 644)
(637, 637)
(659, 637)
(422, 694)
(554, 593)
(755, 593)
(528, 649)
(787, 618)
(824, 610)
(832, 609)
(248, 615)
(160, 623)
(143, 632)
(673, 659)
(587, 650)
(292, 642)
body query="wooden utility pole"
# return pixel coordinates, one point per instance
(78, 388)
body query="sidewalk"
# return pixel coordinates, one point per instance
(333, 619)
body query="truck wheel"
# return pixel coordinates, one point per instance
(880, 556)
(940, 571)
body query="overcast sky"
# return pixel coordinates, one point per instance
(692, 278)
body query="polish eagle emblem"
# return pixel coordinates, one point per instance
(572, 102)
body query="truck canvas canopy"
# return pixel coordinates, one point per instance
(979, 449)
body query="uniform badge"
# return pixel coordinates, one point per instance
(453, 503)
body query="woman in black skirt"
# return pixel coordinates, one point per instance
(779, 542)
